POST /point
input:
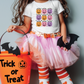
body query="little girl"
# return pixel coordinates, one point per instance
(48, 26)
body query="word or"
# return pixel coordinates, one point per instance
(14, 72)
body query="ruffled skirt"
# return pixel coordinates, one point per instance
(46, 52)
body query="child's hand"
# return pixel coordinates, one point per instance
(11, 28)
(64, 48)
(65, 41)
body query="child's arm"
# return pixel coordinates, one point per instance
(63, 28)
(25, 27)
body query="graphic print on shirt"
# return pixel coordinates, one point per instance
(44, 17)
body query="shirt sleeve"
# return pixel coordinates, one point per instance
(59, 8)
(27, 11)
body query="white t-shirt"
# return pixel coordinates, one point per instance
(44, 16)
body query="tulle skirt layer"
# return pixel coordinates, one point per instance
(46, 52)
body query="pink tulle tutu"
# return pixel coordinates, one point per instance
(47, 53)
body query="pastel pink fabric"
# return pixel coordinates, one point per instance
(46, 52)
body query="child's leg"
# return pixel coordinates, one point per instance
(63, 76)
(43, 75)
